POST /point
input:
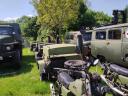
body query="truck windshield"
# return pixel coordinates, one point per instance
(69, 37)
(6, 30)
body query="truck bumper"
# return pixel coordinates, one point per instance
(6, 56)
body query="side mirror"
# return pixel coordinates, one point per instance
(96, 62)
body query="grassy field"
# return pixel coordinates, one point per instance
(25, 82)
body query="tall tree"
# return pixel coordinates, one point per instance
(56, 14)
(88, 18)
(102, 18)
(23, 21)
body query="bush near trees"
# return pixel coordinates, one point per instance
(29, 27)
(126, 10)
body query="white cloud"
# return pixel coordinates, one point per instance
(10, 18)
(30, 15)
(14, 18)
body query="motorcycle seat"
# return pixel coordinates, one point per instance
(119, 69)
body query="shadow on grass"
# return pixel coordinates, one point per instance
(7, 69)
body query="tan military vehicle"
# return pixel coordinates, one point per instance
(65, 67)
(110, 45)
(54, 56)
(72, 37)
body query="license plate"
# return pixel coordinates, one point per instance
(1, 58)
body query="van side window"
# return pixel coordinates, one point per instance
(101, 35)
(114, 34)
(87, 36)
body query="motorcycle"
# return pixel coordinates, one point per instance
(75, 80)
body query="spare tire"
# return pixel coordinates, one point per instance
(74, 63)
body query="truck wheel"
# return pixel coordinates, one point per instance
(53, 90)
(43, 76)
(17, 60)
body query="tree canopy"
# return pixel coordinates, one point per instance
(56, 14)
(29, 27)
(55, 17)
(126, 10)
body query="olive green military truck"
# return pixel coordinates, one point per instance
(10, 44)
(54, 56)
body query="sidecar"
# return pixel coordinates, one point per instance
(116, 77)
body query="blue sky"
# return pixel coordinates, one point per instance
(12, 9)
(107, 5)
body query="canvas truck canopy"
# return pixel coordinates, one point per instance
(60, 50)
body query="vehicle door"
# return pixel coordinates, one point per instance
(113, 45)
(125, 44)
(87, 37)
(98, 43)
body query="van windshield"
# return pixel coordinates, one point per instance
(6, 30)
(87, 36)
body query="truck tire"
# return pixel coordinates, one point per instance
(17, 60)
(43, 77)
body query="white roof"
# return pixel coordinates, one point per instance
(112, 26)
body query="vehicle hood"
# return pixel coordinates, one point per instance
(6, 39)
(59, 49)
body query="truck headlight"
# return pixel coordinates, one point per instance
(10, 47)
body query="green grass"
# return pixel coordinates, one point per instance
(96, 69)
(26, 80)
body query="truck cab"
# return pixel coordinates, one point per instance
(71, 37)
